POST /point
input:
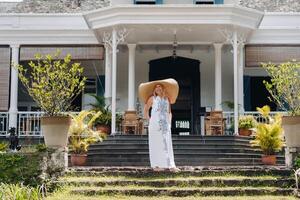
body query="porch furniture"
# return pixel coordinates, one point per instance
(215, 123)
(132, 123)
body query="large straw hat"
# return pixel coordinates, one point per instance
(170, 85)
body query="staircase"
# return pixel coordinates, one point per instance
(270, 183)
(132, 150)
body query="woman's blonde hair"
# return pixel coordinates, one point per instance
(163, 90)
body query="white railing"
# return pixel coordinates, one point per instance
(29, 124)
(230, 119)
(3, 124)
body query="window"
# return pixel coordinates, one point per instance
(208, 1)
(148, 2)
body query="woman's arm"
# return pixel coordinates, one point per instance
(170, 112)
(147, 107)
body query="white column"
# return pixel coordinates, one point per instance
(114, 82)
(235, 80)
(108, 80)
(241, 78)
(13, 108)
(131, 76)
(218, 76)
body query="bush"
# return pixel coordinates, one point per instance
(53, 83)
(247, 122)
(269, 136)
(19, 192)
(20, 168)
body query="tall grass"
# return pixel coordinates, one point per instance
(20, 192)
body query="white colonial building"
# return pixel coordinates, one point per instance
(212, 47)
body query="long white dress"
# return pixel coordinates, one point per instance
(160, 140)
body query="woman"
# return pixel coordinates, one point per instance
(158, 95)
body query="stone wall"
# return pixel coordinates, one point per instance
(273, 5)
(53, 6)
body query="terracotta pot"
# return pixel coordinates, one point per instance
(55, 130)
(103, 128)
(245, 132)
(291, 127)
(78, 159)
(269, 159)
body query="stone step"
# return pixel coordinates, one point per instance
(187, 163)
(182, 192)
(198, 149)
(187, 171)
(181, 146)
(183, 182)
(178, 155)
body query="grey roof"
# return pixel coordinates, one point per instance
(273, 5)
(75, 6)
(52, 6)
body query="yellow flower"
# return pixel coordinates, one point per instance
(264, 111)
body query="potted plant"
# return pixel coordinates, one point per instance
(81, 136)
(103, 122)
(269, 137)
(246, 124)
(284, 89)
(53, 83)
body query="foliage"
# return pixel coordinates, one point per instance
(41, 147)
(3, 147)
(20, 168)
(247, 122)
(228, 104)
(284, 86)
(297, 162)
(53, 83)
(105, 117)
(269, 136)
(19, 192)
(81, 134)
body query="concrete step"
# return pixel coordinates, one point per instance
(184, 182)
(186, 171)
(183, 192)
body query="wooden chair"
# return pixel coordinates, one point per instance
(214, 123)
(131, 124)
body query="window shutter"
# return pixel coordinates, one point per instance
(219, 1)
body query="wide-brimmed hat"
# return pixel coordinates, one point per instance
(170, 86)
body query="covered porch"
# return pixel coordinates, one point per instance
(136, 37)
(201, 47)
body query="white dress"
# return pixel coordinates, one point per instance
(160, 139)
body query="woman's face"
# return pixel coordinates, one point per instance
(158, 89)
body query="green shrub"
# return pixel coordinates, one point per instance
(53, 83)
(3, 147)
(247, 122)
(19, 192)
(20, 168)
(269, 136)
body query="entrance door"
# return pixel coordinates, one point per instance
(186, 72)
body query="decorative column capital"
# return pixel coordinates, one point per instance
(131, 46)
(14, 45)
(218, 45)
(120, 34)
(230, 35)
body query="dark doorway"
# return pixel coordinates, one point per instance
(187, 73)
(256, 94)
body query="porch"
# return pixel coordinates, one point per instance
(28, 124)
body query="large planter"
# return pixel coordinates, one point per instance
(245, 132)
(291, 127)
(269, 159)
(78, 159)
(55, 130)
(103, 128)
